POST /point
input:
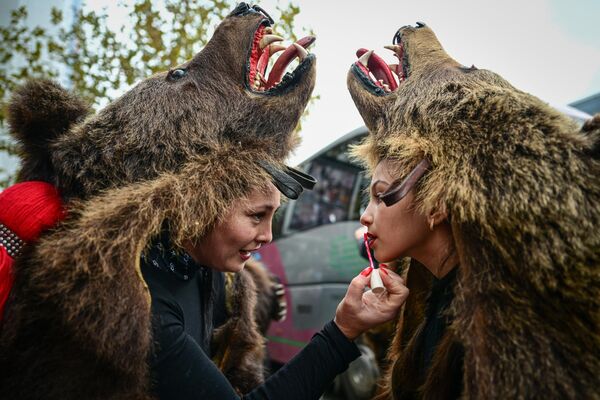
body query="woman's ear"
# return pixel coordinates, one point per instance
(437, 215)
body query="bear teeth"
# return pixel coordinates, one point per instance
(385, 76)
(266, 44)
(268, 39)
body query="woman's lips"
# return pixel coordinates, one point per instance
(246, 254)
(371, 239)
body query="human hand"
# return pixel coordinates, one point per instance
(359, 310)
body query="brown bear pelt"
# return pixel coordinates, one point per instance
(521, 184)
(177, 151)
(270, 295)
(238, 345)
(239, 335)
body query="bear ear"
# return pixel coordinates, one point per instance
(39, 112)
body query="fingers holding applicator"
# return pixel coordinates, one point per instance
(376, 283)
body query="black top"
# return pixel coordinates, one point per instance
(436, 322)
(187, 300)
(436, 318)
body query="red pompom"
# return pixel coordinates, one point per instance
(6, 278)
(28, 208)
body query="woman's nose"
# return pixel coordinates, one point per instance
(366, 218)
(265, 235)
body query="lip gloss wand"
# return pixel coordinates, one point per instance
(376, 283)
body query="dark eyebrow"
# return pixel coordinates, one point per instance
(273, 206)
(265, 207)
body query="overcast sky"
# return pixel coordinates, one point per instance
(550, 48)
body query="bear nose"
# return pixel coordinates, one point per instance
(243, 9)
(240, 9)
(260, 10)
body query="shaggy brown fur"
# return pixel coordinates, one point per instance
(239, 335)
(522, 187)
(237, 344)
(268, 303)
(175, 152)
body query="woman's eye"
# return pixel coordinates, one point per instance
(377, 197)
(178, 73)
(258, 216)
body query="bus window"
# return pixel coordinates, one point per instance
(278, 220)
(329, 201)
(362, 197)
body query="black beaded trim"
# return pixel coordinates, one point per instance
(10, 241)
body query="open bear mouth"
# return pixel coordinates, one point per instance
(260, 78)
(377, 75)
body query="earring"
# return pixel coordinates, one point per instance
(431, 222)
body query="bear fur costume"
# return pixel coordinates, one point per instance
(175, 151)
(521, 184)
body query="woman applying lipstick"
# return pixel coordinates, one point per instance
(187, 287)
(495, 197)
(397, 228)
(402, 229)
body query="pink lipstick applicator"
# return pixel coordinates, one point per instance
(376, 283)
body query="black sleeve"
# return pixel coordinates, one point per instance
(181, 370)
(308, 374)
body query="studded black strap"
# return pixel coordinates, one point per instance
(10, 241)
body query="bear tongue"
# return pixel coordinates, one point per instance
(286, 58)
(379, 68)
